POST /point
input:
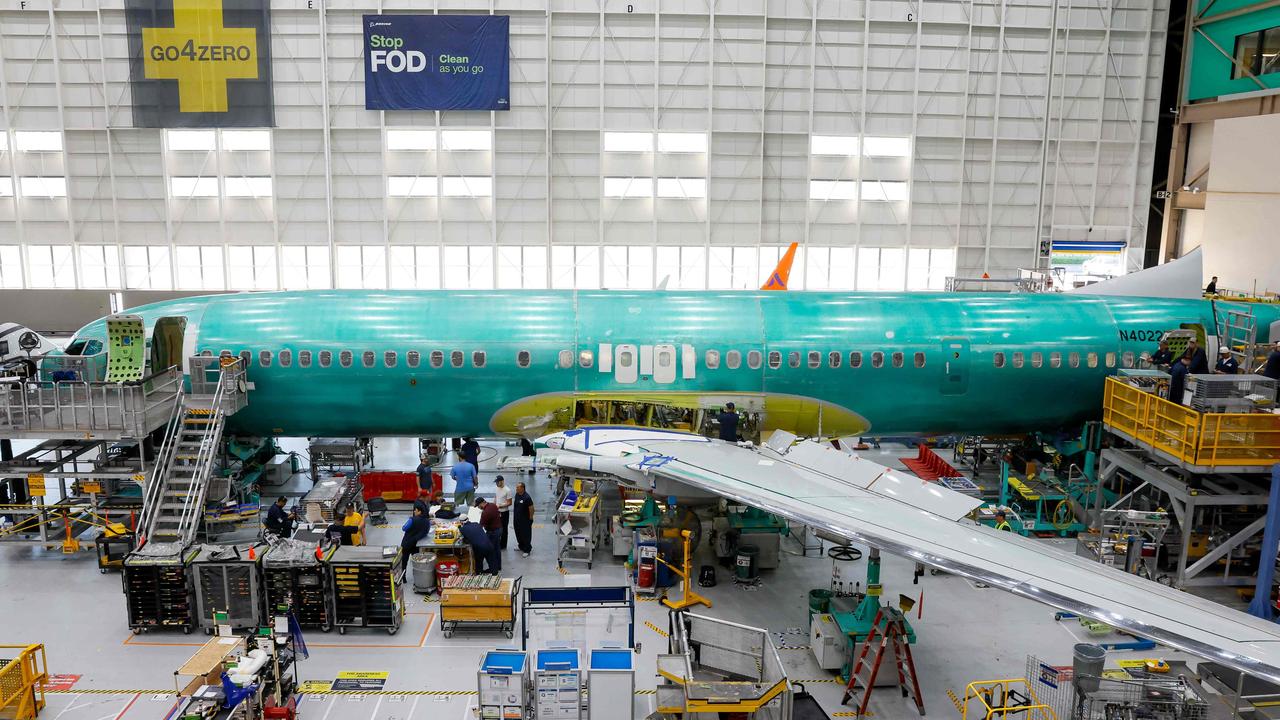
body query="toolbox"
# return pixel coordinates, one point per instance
(157, 591)
(367, 587)
(296, 580)
(227, 580)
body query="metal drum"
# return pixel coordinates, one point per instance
(424, 572)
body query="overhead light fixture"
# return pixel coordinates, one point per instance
(193, 187)
(833, 190)
(248, 186)
(191, 140)
(411, 139)
(833, 145)
(246, 139)
(682, 142)
(886, 146)
(628, 187)
(682, 187)
(466, 186)
(628, 142)
(38, 140)
(466, 140)
(408, 186)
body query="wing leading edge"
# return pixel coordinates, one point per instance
(819, 498)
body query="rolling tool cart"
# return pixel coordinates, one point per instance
(113, 545)
(157, 592)
(504, 685)
(557, 684)
(578, 528)
(367, 588)
(228, 580)
(486, 600)
(296, 578)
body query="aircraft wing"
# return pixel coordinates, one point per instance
(810, 488)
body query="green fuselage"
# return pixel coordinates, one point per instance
(956, 337)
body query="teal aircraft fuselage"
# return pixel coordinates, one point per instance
(411, 363)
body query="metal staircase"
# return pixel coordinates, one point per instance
(175, 495)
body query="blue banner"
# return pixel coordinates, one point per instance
(437, 62)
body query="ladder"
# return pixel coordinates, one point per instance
(1239, 333)
(888, 631)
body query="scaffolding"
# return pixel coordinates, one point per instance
(714, 666)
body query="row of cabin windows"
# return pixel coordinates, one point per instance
(665, 358)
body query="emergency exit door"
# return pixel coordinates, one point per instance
(955, 366)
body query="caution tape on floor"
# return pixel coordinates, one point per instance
(96, 691)
(852, 714)
(656, 629)
(955, 701)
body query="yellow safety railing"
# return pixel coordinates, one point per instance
(23, 673)
(991, 700)
(1195, 438)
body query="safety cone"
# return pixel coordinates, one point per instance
(319, 555)
(252, 554)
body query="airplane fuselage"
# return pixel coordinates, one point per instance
(408, 363)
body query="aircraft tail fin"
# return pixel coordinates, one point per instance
(20, 341)
(781, 273)
(1182, 278)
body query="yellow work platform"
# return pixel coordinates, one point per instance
(1196, 441)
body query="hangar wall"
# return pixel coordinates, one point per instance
(898, 141)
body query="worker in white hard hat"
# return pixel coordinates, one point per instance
(1227, 364)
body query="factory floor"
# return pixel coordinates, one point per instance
(965, 633)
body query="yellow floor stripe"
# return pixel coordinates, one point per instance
(955, 701)
(656, 629)
(414, 693)
(852, 714)
(95, 691)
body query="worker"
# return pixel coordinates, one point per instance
(522, 507)
(1227, 364)
(424, 474)
(416, 529)
(1272, 368)
(502, 498)
(482, 550)
(470, 452)
(355, 519)
(1002, 521)
(423, 501)
(339, 532)
(1178, 378)
(1199, 361)
(491, 521)
(1163, 357)
(729, 423)
(464, 483)
(279, 521)
(1212, 287)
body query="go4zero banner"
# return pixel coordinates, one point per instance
(200, 63)
(437, 62)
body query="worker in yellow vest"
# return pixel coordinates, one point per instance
(1002, 521)
(355, 518)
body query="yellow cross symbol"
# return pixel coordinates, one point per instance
(201, 54)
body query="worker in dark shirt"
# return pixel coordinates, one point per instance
(1178, 378)
(729, 423)
(1272, 368)
(1227, 364)
(1212, 287)
(471, 452)
(481, 549)
(491, 521)
(1199, 361)
(339, 532)
(279, 521)
(424, 474)
(416, 529)
(1163, 357)
(522, 519)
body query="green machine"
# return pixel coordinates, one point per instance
(855, 622)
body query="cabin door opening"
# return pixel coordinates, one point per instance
(166, 343)
(955, 366)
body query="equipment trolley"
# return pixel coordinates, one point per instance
(479, 600)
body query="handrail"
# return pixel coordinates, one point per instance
(22, 681)
(203, 466)
(160, 469)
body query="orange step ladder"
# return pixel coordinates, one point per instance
(887, 628)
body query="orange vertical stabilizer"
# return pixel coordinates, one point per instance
(781, 273)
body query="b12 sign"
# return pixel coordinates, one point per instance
(437, 62)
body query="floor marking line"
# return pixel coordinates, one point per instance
(71, 706)
(126, 707)
(376, 705)
(656, 629)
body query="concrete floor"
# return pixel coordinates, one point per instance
(965, 633)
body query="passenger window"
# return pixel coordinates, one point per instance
(523, 358)
(437, 358)
(1055, 359)
(855, 359)
(733, 359)
(1093, 359)
(877, 359)
(203, 353)
(815, 359)
(286, 358)
(326, 358)
(1073, 359)
(304, 358)
(919, 360)
(833, 359)
(664, 359)
(413, 358)
(586, 358)
(566, 359)
(1017, 360)
(626, 358)
(1037, 359)
(225, 353)
(1111, 359)
(775, 359)
(897, 359)
(753, 359)
(997, 359)
(713, 359)
(478, 358)
(793, 359)
(368, 358)
(455, 358)
(1128, 359)
(389, 358)
(264, 358)
(344, 358)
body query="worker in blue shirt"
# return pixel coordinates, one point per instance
(470, 452)
(729, 423)
(424, 474)
(1199, 361)
(464, 488)
(1163, 357)
(1178, 378)
(1227, 364)
(1272, 368)
(279, 521)
(482, 550)
(416, 529)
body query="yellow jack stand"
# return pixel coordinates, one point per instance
(689, 598)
